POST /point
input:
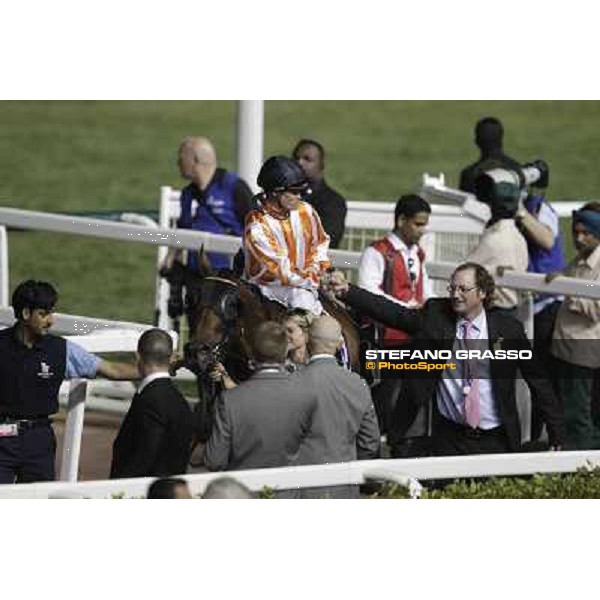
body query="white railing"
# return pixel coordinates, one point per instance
(4, 292)
(180, 238)
(78, 325)
(408, 471)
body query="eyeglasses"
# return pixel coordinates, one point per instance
(461, 289)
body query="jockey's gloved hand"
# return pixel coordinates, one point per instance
(337, 283)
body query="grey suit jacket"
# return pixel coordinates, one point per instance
(261, 423)
(344, 426)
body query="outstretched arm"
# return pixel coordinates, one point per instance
(372, 305)
(118, 370)
(84, 364)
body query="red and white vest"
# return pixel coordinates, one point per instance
(397, 283)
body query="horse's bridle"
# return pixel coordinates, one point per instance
(226, 306)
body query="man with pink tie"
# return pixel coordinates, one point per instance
(474, 404)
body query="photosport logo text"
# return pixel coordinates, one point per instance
(435, 360)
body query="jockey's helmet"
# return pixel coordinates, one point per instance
(280, 173)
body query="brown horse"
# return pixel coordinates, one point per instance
(223, 310)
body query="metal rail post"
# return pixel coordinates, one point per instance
(250, 134)
(73, 430)
(162, 287)
(3, 267)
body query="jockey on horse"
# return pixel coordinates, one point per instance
(285, 245)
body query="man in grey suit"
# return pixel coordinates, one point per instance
(345, 424)
(263, 421)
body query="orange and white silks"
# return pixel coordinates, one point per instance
(288, 252)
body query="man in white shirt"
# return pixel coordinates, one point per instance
(393, 267)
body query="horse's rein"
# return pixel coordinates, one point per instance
(221, 280)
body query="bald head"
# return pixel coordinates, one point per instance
(204, 151)
(324, 336)
(197, 159)
(226, 488)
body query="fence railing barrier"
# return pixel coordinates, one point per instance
(356, 472)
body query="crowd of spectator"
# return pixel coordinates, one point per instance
(300, 406)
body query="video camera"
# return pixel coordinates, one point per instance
(500, 184)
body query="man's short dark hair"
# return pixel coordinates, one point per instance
(308, 142)
(164, 488)
(489, 133)
(33, 295)
(483, 280)
(409, 205)
(269, 343)
(155, 347)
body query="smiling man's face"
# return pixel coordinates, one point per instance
(466, 297)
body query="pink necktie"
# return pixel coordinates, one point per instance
(470, 384)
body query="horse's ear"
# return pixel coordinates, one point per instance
(204, 266)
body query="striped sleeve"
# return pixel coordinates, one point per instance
(267, 253)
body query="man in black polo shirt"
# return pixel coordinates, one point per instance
(33, 364)
(489, 135)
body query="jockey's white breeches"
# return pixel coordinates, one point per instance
(294, 297)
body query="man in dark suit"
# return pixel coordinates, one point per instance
(156, 435)
(329, 204)
(345, 424)
(475, 415)
(263, 421)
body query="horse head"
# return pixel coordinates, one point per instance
(213, 309)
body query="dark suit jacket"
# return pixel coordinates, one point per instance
(331, 208)
(261, 423)
(344, 426)
(434, 327)
(155, 436)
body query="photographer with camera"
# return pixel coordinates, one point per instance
(502, 246)
(539, 224)
(489, 134)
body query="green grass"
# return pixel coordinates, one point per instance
(87, 156)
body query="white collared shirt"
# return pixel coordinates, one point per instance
(319, 356)
(150, 378)
(449, 393)
(371, 270)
